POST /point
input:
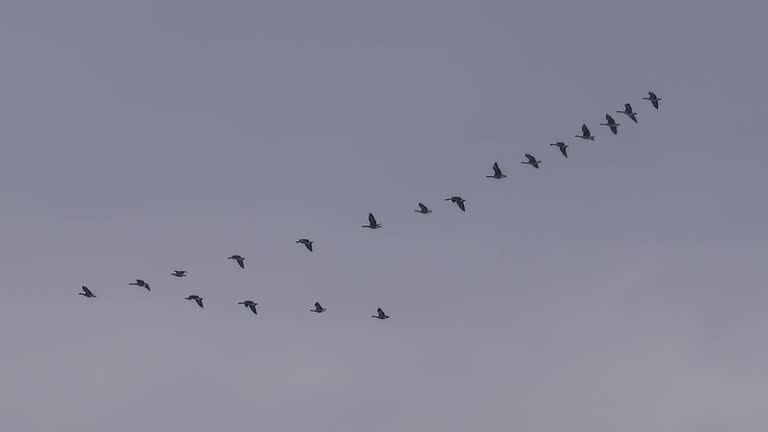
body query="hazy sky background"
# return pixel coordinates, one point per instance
(622, 289)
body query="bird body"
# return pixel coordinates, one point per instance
(497, 174)
(423, 209)
(318, 308)
(654, 100)
(611, 123)
(531, 161)
(585, 133)
(628, 112)
(86, 292)
(380, 314)
(306, 242)
(197, 299)
(562, 146)
(372, 224)
(459, 202)
(250, 305)
(239, 260)
(141, 283)
(179, 273)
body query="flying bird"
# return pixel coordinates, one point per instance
(654, 100)
(197, 299)
(140, 283)
(250, 305)
(531, 161)
(585, 134)
(372, 224)
(318, 308)
(423, 209)
(628, 112)
(240, 260)
(86, 292)
(381, 315)
(497, 174)
(611, 123)
(179, 273)
(306, 242)
(459, 202)
(562, 146)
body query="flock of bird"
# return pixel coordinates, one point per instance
(586, 134)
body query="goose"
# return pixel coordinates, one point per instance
(497, 174)
(318, 308)
(372, 224)
(611, 123)
(423, 209)
(86, 292)
(459, 202)
(140, 283)
(250, 305)
(381, 315)
(531, 161)
(654, 100)
(197, 299)
(240, 260)
(562, 146)
(585, 134)
(306, 242)
(628, 112)
(179, 273)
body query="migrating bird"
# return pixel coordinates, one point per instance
(179, 273)
(197, 299)
(531, 161)
(372, 224)
(140, 283)
(423, 209)
(611, 124)
(318, 308)
(628, 112)
(381, 315)
(305, 242)
(250, 305)
(585, 134)
(497, 174)
(240, 260)
(459, 202)
(562, 146)
(86, 292)
(654, 100)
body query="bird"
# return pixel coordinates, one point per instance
(197, 299)
(240, 260)
(497, 174)
(628, 112)
(306, 242)
(654, 100)
(531, 161)
(459, 202)
(585, 134)
(179, 273)
(381, 315)
(318, 308)
(86, 292)
(611, 123)
(423, 209)
(250, 305)
(562, 146)
(372, 224)
(140, 283)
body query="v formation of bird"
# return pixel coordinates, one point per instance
(373, 224)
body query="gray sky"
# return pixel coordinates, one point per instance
(621, 289)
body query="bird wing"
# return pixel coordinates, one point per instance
(652, 95)
(371, 219)
(241, 262)
(609, 119)
(252, 307)
(86, 290)
(585, 130)
(461, 205)
(563, 151)
(496, 169)
(309, 246)
(422, 207)
(317, 306)
(199, 301)
(628, 108)
(530, 157)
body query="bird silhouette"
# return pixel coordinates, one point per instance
(197, 299)
(240, 260)
(628, 112)
(86, 292)
(611, 123)
(531, 161)
(306, 242)
(497, 174)
(179, 273)
(585, 134)
(562, 146)
(380, 314)
(654, 100)
(372, 224)
(423, 209)
(459, 202)
(318, 308)
(141, 283)
(250, 305)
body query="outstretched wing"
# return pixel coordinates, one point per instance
(252, 307)
(563, 150)
(496, 169)
(422, 207)
(461, 205)
(610, 119)
(585, 130)
(241, 263)
(371, 219)
(652, 95)
(87, 291)
(530, 158)
(628, 108)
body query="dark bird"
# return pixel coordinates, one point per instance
(628, 112)
(306, 242)
(197, 299)
(585, 134)
(531, 161)
(459, 202)
(381, 315)
(318, 308)
(240, 260)
(140, 283)
(611, 123)
(250, 305)
(654, 100)
(562, 146)
(372, 224)
(423, 209)
(497, 174)
(179, 273)
(86, 292)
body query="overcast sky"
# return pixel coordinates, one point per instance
(622, 289)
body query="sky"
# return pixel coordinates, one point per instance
(619, 289)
